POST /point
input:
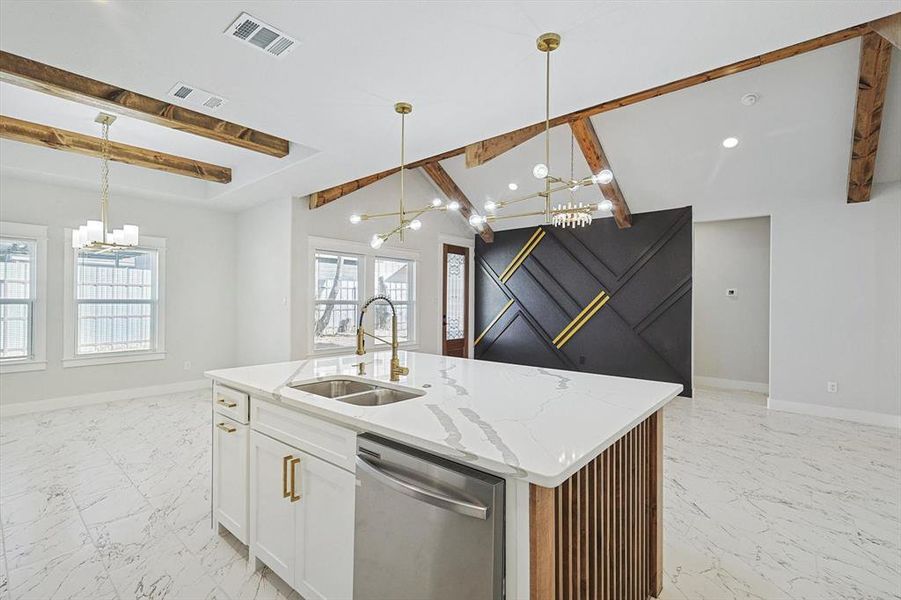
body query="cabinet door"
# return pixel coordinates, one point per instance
(230, 475)
(325, 530)
(272, 514)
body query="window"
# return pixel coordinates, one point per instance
(343, 275)
(336, 300)
(22, 291)
(115, 310)
(395, 278)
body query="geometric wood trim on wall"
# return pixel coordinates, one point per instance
(597, 299)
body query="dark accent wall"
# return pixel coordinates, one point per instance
(643, 330)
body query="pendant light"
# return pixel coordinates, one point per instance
(405, 219)
(96, 235)
(561, 215)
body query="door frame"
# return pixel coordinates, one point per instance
(467, 243)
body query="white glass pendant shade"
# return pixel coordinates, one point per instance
(605, 205)
(94, 231)
(354, 219)
(415, 224)
(376, 241)
(491, 205)
(130, 235)
(605, 176)
(453, 205)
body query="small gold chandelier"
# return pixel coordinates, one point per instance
(405, 219)
(96, 235)
(561, 215)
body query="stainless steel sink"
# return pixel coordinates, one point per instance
(358, 393)
(378, 397)
(334, 388)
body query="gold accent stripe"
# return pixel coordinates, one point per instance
(578, 316)
(493, 321)
(585, 320)
(522, 255)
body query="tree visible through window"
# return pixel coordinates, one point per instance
(336, 300)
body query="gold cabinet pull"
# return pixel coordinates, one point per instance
(294, 496)
(285, 492)
(226, 428)
(226, 403)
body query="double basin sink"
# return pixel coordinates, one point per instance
(358, 393)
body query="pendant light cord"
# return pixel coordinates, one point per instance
(547, 136)
(104, 179)
(402, 134)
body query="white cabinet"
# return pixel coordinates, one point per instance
(273, 513)
(324, 531)
(302, 522)
(230, 493)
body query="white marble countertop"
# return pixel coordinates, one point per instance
(537, 424)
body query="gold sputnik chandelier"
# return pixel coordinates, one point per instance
(405, 219)
(570, 214)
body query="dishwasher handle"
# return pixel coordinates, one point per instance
(432, 497)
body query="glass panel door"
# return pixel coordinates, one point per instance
(456, 301)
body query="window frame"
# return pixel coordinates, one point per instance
(71, 358)
(411, 304)
(366, 268)
(37, 358)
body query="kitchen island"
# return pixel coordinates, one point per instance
(580, 455)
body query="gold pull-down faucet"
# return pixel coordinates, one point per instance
(396, 369)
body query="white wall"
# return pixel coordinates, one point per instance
(263, 287)
(332, 221)
(836, 306)
(200, 301)
(731, 334)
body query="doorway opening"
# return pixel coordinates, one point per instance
(732, 305)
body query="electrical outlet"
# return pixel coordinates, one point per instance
(831, 387)
(187, 365)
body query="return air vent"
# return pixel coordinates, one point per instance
(250, 30)
(189, 94)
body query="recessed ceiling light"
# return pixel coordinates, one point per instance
(513, 187)
(730, 142)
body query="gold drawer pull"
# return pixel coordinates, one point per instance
(294, 496)
(285, 492)
(226, 403)
(226, 428)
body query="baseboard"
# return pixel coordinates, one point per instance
(846, 414)
(732, 384)
(21, 408)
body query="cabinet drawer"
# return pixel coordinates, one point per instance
(231, 403)
(329, 442)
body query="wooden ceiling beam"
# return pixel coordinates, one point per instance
(889, 28)
(487, 149)
(33, 75)
(875, 59)
(594, 154)
(70, 141)
(450, 189)
(481, 152)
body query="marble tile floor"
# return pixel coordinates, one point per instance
(112, 501)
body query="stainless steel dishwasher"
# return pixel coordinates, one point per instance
(426, 528)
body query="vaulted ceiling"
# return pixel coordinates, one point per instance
(471, 72)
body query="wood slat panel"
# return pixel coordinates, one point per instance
(602, 535)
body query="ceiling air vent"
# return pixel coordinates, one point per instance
(189, 94)
(250, 30)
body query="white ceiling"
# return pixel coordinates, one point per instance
(470, 69)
